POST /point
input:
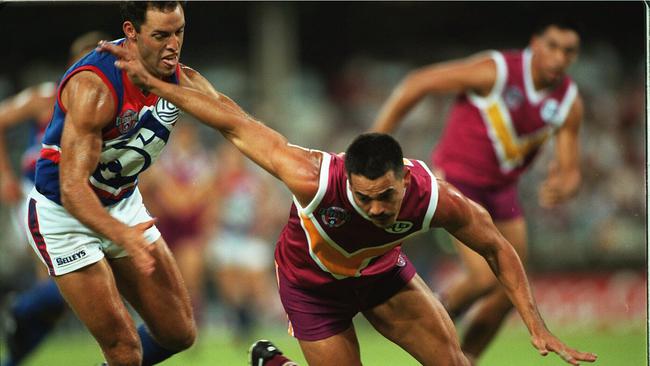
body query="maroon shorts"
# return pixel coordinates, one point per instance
(501, 202)
(324, 311)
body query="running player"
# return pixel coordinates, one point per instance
(86, 218)
(340, 252)
(35, 311)
(509, 104)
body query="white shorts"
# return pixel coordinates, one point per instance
(236, 250)
(64, 244)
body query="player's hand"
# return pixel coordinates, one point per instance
(558, 187)
(134, 242)
(128, 60)
(547, 342)
(10, 191)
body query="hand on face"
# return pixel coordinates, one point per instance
(128, 60)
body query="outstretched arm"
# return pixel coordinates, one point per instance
(477, 73)
(472, 225)
(563, 178)
(297, 167)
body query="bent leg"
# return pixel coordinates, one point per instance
(416, 321)
(488, 313)
(340, 349)
(162, 301)
(92, 293)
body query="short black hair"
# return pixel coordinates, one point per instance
(564, 22)
(372, 155)
(136, 11)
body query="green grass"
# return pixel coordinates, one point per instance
(512, 347)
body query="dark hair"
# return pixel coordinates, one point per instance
(373, 154)
(564, 22)
(136, 11)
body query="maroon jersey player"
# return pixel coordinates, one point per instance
(508, 104)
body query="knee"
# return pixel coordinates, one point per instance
(124, 352)
(178, 339)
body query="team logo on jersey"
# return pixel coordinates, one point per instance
(399, 227)
(401, 262)
(69, 258)
(334, 216)
(127, 121)
(513, 97)
(549, 109)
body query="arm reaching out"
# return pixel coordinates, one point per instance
(476, 73)
(297, 167)
(472, 225)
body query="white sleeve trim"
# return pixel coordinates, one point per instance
(322, 186)
(433, 200)
(499, 83)
(565, 107)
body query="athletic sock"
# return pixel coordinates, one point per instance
(152, 352)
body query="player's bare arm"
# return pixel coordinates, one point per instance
(477, 73)
(89, 107)
(564, 177)
(471, 224)
(297, 167)
(28, 104)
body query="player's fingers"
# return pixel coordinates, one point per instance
(145, 225)
(584, 356)
(117, 51)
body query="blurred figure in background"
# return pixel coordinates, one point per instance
(509, 104)
(177, 191)
(245, 218)
(34, 312)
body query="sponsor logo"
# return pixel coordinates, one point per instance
(166, 112)
(68, 259)
(399, 227)
(549, 109)
(513, 97)
(334, 216)
(401, 262)
(126, 121)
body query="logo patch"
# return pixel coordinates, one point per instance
(399, 227)
(401, 262)
(513, 97)
(127, 121)
(334, 216)
(70, 258)
(549, 109)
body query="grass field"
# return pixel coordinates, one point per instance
(512, 348)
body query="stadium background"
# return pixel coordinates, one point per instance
(318, 73)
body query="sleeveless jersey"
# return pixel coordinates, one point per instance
(137, 133)
(333, 239)
(489, 141)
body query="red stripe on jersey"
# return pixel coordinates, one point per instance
(110, 196)
(51, 155)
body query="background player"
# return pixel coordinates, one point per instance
(509, 104)
(326, 275)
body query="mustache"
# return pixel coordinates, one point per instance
(381, 216)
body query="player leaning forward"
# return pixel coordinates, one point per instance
(340, 251)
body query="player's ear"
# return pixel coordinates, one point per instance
(407, 177)
(129, 30)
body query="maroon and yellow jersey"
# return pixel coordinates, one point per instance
(491, 140)
(332, 238)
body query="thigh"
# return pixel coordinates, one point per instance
(161, 298)
(92, 294)
(339, 349)
(416, 321)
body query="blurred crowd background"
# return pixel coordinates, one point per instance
(318, 73)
